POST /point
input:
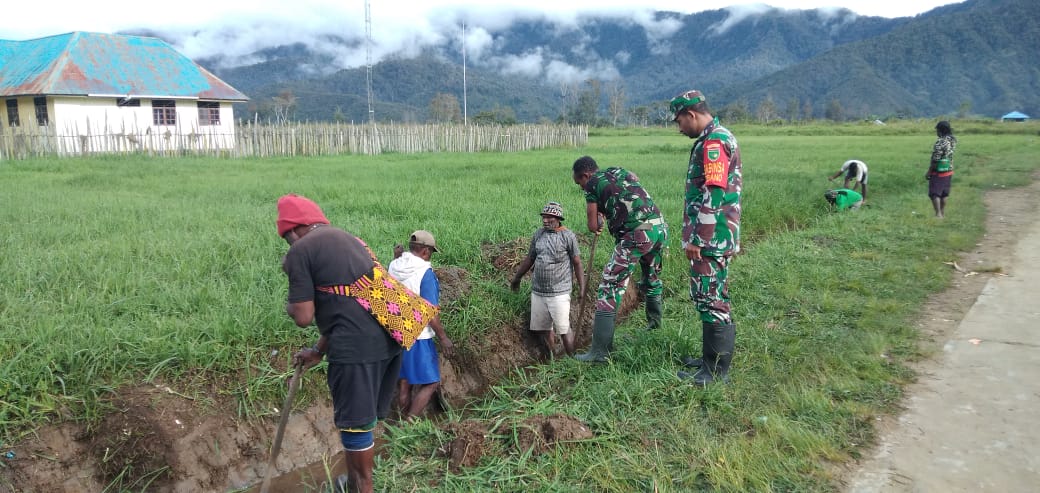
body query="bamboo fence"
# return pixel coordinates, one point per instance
(251, 139)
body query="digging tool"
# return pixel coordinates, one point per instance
(294, 383)
(588, 275)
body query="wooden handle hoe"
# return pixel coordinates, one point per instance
(294, 383)
(588, 276)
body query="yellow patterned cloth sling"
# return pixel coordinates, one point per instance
(403, 313)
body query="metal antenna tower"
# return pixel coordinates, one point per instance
(465, 116)
(368, 59)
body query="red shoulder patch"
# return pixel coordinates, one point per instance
(716, 164)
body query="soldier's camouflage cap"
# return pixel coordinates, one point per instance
(689, 98)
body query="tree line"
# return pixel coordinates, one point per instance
(597, 103)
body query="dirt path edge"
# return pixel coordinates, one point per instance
(952, 434)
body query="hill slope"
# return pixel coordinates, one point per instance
(978, 57)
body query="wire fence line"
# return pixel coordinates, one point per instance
(251, 139)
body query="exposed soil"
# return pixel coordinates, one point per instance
(536, 435)
(540, 434)
(478, 364)
(158, 438)
(467, 446)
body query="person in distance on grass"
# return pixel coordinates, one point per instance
(556, 259)
(843, 198)
(640, 235)
(420, 370)
(855, 172)
(364, 360)
(711, 231)
(940, 168)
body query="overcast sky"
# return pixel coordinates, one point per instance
(237, 28)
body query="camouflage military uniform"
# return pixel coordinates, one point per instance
(711, 219)
(638, 228)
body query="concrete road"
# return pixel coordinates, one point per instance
(972, 422)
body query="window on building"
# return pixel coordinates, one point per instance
(124, 102)
(12, 112)
(41, 111)
(209, 113)
(164, 112)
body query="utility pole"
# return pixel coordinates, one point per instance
(465, 116)
(368, 59)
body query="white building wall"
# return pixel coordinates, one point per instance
(98, 124)
(77, 116)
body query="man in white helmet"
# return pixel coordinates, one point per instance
(556, 259)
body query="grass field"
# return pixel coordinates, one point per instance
(117, 271)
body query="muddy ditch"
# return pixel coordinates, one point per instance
(158, 440)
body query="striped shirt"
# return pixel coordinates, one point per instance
(552, 252)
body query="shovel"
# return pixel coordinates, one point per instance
(588, 275)
(294, 383)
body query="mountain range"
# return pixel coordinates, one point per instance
(978, 57)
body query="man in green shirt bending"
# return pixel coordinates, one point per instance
(843, 198)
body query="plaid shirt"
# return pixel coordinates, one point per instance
(552, 252)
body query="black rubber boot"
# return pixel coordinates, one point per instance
(717, 353)
(654, 312)
(691, 362)
(602, 339)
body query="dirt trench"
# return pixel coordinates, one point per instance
(158, 440)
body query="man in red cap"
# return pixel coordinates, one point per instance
(363, 359)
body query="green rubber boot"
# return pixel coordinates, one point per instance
(654, 312)
(602, 338)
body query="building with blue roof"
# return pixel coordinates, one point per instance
(1014, 116)
(82, 84)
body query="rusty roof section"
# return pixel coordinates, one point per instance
(81, 63)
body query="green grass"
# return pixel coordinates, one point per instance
(893, 127)
(118, 271)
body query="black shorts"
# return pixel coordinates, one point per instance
(361, 392)
(851, 176)
(939, 186)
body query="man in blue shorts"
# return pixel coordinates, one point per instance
(420, 371)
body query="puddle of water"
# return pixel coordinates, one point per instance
(314, 478)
